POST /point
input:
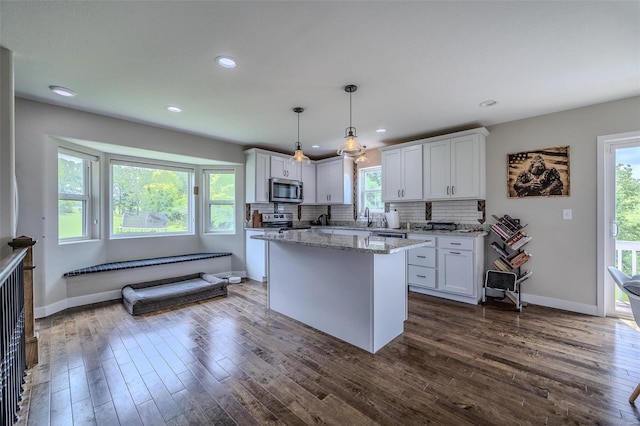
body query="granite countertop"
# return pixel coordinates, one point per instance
(316, 238)
(457, 233)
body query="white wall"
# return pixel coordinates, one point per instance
(564, 251)
(36, 169)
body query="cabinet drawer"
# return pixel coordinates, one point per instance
(455, 243)
(422, 276)
(423, 256)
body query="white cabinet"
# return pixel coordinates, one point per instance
(255, 256)
(257, 173)
(282, 168)
(454, 168)
(334, 181)
(451, 268)
(421, 263)
(455, 267)
(308, 178)
(402, 174)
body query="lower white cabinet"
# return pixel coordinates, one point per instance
(421, 263)
(256, 255)
(452, 268)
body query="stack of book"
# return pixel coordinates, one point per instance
(509, 230)
(505, 263)
(524, 276)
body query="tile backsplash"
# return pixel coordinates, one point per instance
(464, 212)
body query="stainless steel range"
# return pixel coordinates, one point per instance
(281, 221)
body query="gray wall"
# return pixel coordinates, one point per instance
(564, 251)
(7, 153)
(36, 170)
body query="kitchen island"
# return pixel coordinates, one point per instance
(348, 286)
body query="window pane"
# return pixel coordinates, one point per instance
(373, 180)
(70, 175)
(373, 200)
(222, 186)
(71, 219)
(221, 201)
(148, 200)
(222, 218)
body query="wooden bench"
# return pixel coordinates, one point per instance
(140, 263)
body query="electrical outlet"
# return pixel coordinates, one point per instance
(566, 214)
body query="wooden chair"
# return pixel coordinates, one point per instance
(634, 300)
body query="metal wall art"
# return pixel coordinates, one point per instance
(538, 173)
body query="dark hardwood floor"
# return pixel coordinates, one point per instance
(232, 361)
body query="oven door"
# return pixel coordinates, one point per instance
(285, 191)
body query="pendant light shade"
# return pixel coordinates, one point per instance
(362, 158)
(350, 147)
(298, 156)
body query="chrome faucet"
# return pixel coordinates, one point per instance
(367, 214)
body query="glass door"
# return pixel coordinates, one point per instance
(620, 222)
(626, 226)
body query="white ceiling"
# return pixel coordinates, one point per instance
(421, 68)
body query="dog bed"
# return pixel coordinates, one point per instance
(141, 298)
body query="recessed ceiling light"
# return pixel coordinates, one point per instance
(488, 103)
(226, 61)
(381, 130)
(173, 108)
(62, 91)
(315, 146)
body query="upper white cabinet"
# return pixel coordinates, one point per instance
(282, 168)
(334, 181)
(402, 173)
(257, 169)
(308, 178)
(455, 166)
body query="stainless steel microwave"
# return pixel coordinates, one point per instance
(285, 191)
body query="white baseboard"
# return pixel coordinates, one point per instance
(565, 305)
(76, 301)
(89, 299)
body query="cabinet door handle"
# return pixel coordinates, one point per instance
(452, 189)
(403, 193)
(398, 193)
(455, 252)
(421, 276)
(421, 257)
(447, 189)
(456, 244)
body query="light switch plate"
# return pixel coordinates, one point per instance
(566, 214)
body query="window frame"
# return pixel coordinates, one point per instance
(207, 202)
(89, 197)
(362, 191)
(154, 165)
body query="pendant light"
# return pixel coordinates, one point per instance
(362, 158)
(350, 147)
(298, 156)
